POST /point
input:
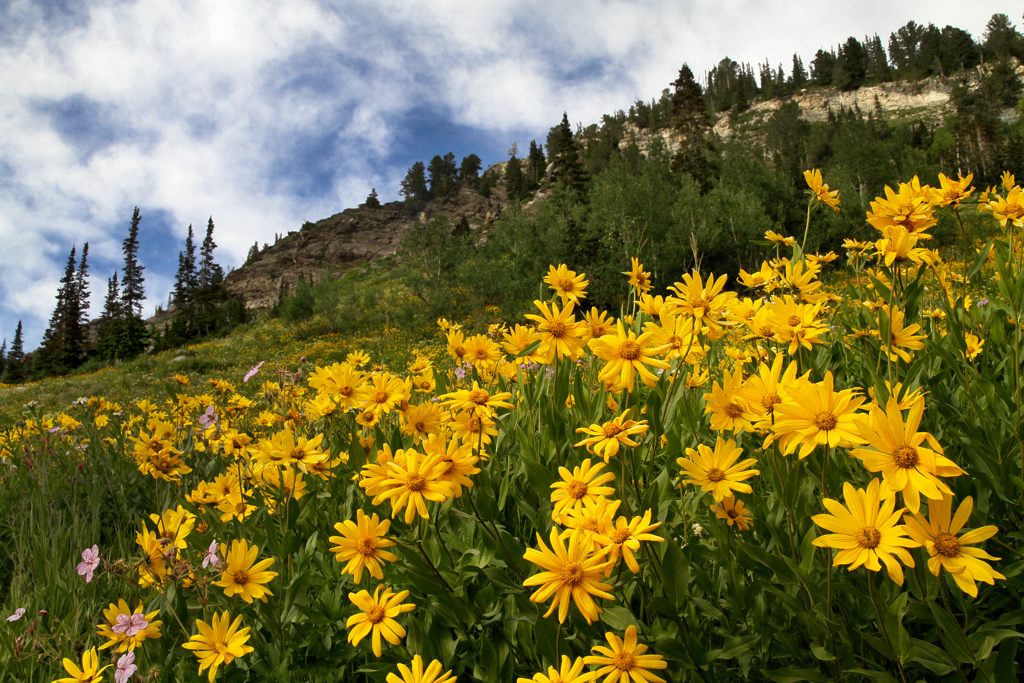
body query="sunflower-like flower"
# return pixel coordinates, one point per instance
(415, 673)
(411, 480)
(343, 383)
(734, 512)
(639, 279)
(625, 536)
(571, 671)
(1009, 209)
(705, 303)
(597, 323)
(718, 471)
(605, 439)
(953, 191)
(376, 617)
(585, 483)
(569, 286)
(625, 660)
(476, 400)
(908, 208)
(571, 575)
(903, 338)
(218, 642)
(459, 461)
(726, 407)
(820, 190)
(243, 575)
(361, 544)
(866, 531)
(816, 415)
(626, 355)
(763, 390)
(561, 336)
(89, 672)
(948, 551)
(909, 461)
(125, 628)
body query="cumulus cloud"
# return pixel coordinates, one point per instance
(265, 113)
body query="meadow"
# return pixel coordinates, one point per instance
(809, 471)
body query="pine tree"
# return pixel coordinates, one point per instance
(799, 77)
(3, 357)
(61, 348)
(515, 181)
(110, 319)
(567, 168)
(822, 67)
(132, 292)
(850, 65)
(15, 369)
(186, 278)
(210, 273)
(82, 289)
(442, 174)
(254, 253)
(414, 185)
(372, 200)
(469, 171)
(536, 166)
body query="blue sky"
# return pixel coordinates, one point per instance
(265, 114)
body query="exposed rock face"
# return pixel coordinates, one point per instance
(345, 239)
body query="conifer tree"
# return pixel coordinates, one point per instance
(567, 168)
(132, 335)
(186, 279)
(798, 79)
(441, 174)
(414, 185)
(82, 289)
(254, 253)
(536, 166)
(3, 357)
(14, 370)
(515, 181)
(372, 200)
(61, 348)
(469, 171)
(110, 319)
(210, 273)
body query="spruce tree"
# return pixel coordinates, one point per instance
(132, 333)
(61, 349)
(254, 253)
(111, 318)
(567, 168)
(536, 166)
(82, 289)
(210, 273)
(14, 370)
(3, 357)
(799, 77)
(515, 181)
(414, 185)
(372, 200)
(469, 171)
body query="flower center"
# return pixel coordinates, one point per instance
(733, 410)
(415, 483)
(793, 320)
(577, 489)
(365, 547)
(566, 285)
(611, 430)
(825, 421)
(732, 514)
(868, 537)
(715, 475)
(241, 578)
(629, 350)
(478, 396)
(769, 401)
(556, 329)
(375, 614)
(947, 545)
(380, 397)
(905, 457)
(572, 574)
(623, 661)
(620, 535)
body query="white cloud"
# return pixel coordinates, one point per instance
(222, 108)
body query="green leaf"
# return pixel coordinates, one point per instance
(675, 570)
(821, 654)
(930, 656)
(794, 676)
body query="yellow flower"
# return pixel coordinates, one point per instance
(1007, 180)
(597, 324)
(518, 340)
(411, 480)
(377, 617)
(585, 483)
(624, 538)
(725, 405)
(907, 208)
(570, 574)
(560, 333)
(815, 414)
(218, 642)
(606, 438)
(243, 575)
(773, 236)
(361, 544)
(910, 461)
(625, 355)
(734, 512)
(705, 303)
(476, 400)
(415, 673)
(90, 671)
(762, 391)
(625, 661)
(481, 350)
(901, 337)
(285, 448)
(865, 531)
(421, 420)
(948, 551)
(676, 333)
(385, 392)
(127, 628)
(458, 461)
(342, 382)
(718, 471)
(820, 190)
(569, 286)
(639, 279)
(953, 191)
(1009, 208)
(972, 346)
(571, 671)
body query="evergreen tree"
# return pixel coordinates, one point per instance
(567, 168)
(850, 67)
(469, 171)
(210, 273)
(515, 181)
(822, 67)
(15, 370)
(1001, 38)
(82, 290)
(110, 319)
(877, 62)
(132, 292)
(798, 79)
(690, 117)
(372, 200)
(536, 166)
(414, 185)
(442, 175)
(3, 357)
(254, 253)
(186, 279)
(61, 348)
(958, 50)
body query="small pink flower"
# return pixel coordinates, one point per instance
(18, 614)
(125, 668)
(130, 624)
(253, 370)
(208, 418)
(90, 561)
(211, 558)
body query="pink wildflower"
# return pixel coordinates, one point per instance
(211, 559)
(125, 667)
(90, 561)
(18, 614)
(253, 370)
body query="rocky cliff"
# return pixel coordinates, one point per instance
(345, 239)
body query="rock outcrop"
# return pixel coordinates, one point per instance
(346, 239)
